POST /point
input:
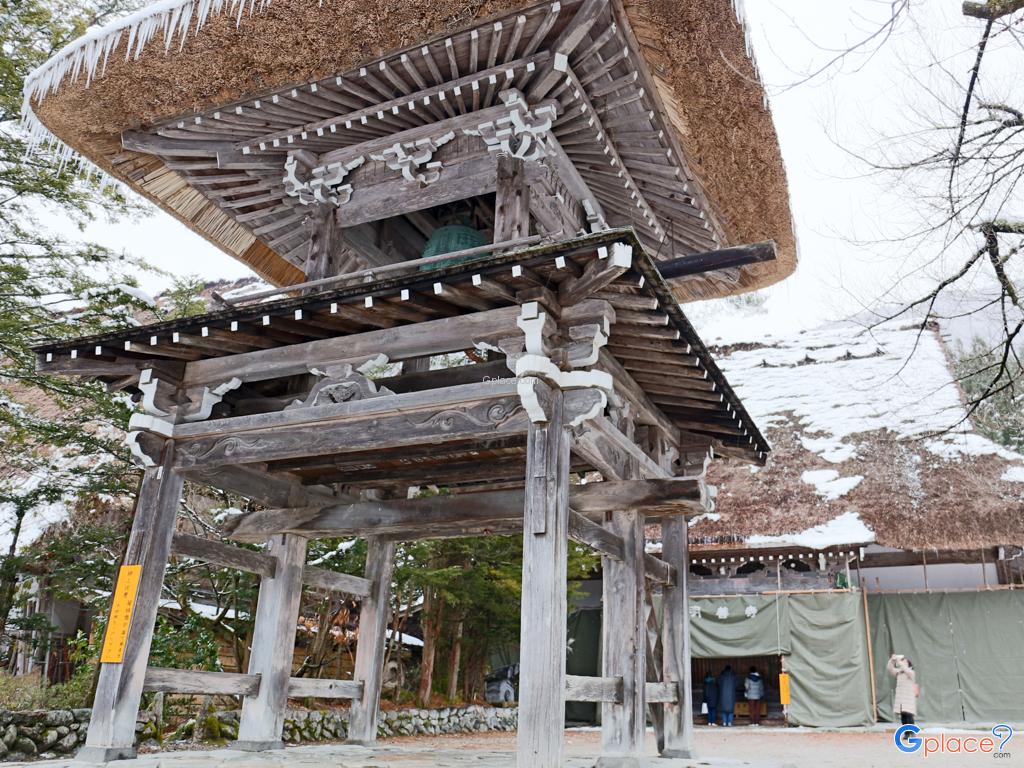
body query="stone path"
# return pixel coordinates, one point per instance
(346, 756)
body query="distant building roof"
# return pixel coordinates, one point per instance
(870, 443)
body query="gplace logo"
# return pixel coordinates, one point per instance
(907, 740)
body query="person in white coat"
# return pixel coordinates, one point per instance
(905, 700)
(753, 691)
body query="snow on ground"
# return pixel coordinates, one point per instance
(848, 528)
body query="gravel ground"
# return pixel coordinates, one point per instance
(739, 747)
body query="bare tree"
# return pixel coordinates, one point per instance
(968, 164)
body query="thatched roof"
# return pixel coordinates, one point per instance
(860, 453)
(177, 59)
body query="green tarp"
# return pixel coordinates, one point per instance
(967, 650)
(822, 637)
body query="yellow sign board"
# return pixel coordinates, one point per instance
(121, 614)
(784, 688)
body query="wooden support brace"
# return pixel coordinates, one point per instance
(200, 683)
(119, 689)
(539, 743)
(676, 642)
(273, 641)
(373, 621)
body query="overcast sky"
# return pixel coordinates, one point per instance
(857, 104)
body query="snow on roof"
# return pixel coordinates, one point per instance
(870, 440)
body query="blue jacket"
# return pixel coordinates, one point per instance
(711, 692)
(727, 691)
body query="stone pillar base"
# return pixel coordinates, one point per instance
(105, 754)
(256, 746)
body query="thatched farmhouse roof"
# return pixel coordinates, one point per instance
(676, 138)
(869, 445)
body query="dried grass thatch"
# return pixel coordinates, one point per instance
(695, 51)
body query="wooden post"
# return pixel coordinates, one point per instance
(675, 642)
(871, 656)
(119, 689)
(273, 642)
(539, 743)
(324, 240)
(373, 622)
(512, 200)
(624, 644)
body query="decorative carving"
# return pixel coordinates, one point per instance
(410, 157)
(203, 399)
(490, 414)
(324, 186)
(343, 383)
(223, 448)
(523, 133)
(144, 448)
(157, 394)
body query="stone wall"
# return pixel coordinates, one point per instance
(48, 734)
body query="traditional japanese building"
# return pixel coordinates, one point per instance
(533, 187)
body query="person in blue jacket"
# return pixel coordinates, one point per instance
(727, 694)
(711, 698)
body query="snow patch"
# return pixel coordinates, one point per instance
(711, 517)
(828, 484)
(848, 528)
(1013, 475)
(831, 450)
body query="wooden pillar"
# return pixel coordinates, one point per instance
(512, 200)
(324, 242)
(539, 743)
(273, 643)
(111, 733)
(676, 640)
(624, 644)
(373, 622)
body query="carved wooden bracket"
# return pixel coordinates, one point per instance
(411, 157)
(586, 332)
(522, 133)
(324, 184)
(343, 383)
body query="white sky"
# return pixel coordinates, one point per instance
(866, 96)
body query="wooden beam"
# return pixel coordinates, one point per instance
(724, 258)
(332, 581)
(623, 642)
(225, 555)
(452, 414)
(675, 642)
(319, 688)
(614, 262)
(119, 689)
(273, 489)
(435, 337)
(200, 683)
(512, 200)
(597, 689)
(539, 742)
(662, 693)
(373, 621)
(483, 509)
(273, 642)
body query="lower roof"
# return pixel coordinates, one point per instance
(651, 339)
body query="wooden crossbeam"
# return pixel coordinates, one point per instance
(198, 682)
(451, 414)
(435, 337)
(301, 687)
(471, 510)
(332, 581)
(226, 555)
(598, 689)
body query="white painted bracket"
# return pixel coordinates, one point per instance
(325, 182)
(412, 156)
(140, 456)
(209, 398)
(523, 132)
(149, 385)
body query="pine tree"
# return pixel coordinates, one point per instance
(57, 436)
